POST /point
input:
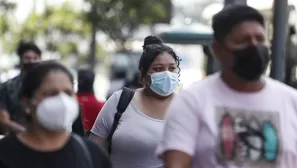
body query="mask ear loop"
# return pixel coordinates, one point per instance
(34, 104)
(150, 85)
(29, 111)
(179, 83)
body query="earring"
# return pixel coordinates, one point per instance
(28, 111)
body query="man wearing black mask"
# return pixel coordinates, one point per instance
(237, 117)
(11, 111)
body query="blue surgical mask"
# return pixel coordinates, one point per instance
(164, 83)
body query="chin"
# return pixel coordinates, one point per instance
(164, 97)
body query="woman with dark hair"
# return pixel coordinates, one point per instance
(48, 96)
(135, 140)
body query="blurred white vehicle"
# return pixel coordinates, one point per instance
(191, 63)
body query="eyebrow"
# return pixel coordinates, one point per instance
(165, 64)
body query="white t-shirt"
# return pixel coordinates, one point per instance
(135, 140)
(220, 127)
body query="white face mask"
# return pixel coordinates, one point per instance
(57, 113)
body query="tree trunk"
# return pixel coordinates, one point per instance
(92, 56)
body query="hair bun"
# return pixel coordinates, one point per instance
(149, 40)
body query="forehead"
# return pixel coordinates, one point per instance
(30, 53)
(56, 80)
(164, 58)
(247, 29)
(30, 56)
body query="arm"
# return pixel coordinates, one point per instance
(177, 159)
(102, 141)
(178, 143)
(104, 121)
(100, 157)
(4, 115)
(5, 121)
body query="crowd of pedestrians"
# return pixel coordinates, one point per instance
(234, 118)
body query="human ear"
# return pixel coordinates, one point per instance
(217, 50)
(26, 103)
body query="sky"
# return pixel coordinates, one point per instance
(24, 7)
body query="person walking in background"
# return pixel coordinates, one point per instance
(90, 106)
(117, 81)
(47, 93)
(11, 110)
(238, 117)
(137, 131)
(135, 83)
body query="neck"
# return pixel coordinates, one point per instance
(85, 92)
(241, 85)
(44, 140)
(88, 89)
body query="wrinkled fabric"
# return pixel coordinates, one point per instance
(211, 122)
(135, 140)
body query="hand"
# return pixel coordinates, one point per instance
(11, 125)
(4, 117)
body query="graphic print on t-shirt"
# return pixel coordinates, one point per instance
(248, 138)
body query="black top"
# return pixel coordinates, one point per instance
(77, 126)
(14, 154)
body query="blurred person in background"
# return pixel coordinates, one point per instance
(90, 106)
(117, 82)
(47, 93)
(11, 111)
(135, 82)
(136, 136)
(237, 117)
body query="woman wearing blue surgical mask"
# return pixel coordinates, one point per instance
(48, 96)
(135, 139)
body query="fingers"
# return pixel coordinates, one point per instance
(11, 125)
(15, 127)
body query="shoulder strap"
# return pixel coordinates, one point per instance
(125, 99)
(86, 152)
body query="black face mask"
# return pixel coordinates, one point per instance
(28, 66)
(251, 62)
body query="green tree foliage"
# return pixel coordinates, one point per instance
(62, 29)
(120, 18)
(7, 24)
